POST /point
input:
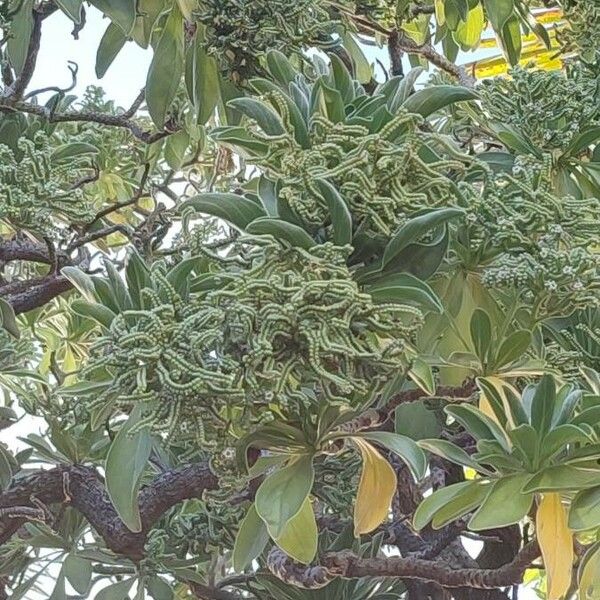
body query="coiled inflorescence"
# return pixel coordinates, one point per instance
(582, 33)
(293, 327)
(548, 108)
(239, 32)
(34, 190)
(381, 176)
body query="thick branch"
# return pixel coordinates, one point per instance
(82, 487)
(23, 249)
(38, 292)
(350, 566)
(87, 117)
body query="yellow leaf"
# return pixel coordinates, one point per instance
(468, 33)
(440, 12)
(418, 29)
(376, 489)
(556, 543)
(299, 537)
(146, 202)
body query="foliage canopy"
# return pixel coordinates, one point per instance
(299, 326)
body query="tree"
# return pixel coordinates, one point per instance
(300, 328)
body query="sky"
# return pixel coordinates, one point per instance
(122, 83)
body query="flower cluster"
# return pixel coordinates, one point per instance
(582, 33)
(291, 327)
(239, 32)
(535, 241)
(35, 190)
(548, 108)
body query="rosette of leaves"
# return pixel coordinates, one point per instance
(538, 449)
(302, 130)
(291, 454)
(203, 354)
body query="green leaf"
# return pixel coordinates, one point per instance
(498, 12)
(21, 28)
(237, 210)
(511, 39)
(299, 537)
(203, 80)
(481, 333)
(562, 477)
(125, 464)
(120, 12)
(264, 86)
(281, 230)
(416, 421)
(78, 572)
(250, 541)
(513, 347)
(450, 452)
(116, 591)
(165, 70)
(8, 319)
(403, 446)
(585, 510)
(477, 423)
(543, 404)
(93, 310)
(422, 375)
(341, 219)
(504, 505)
(175, 149)
(469, 499)
(66, 152)
(428, 100)
(159, 589)
(282, 494)
(264, 116)
(589, 570)
(405, 288)
(431, 504)
(363, 70)
(81, 281)
(5, 468)
(137, 277)
(72, 8)
(468, 33)
(280, 68)
(416, 228)
(582, 141)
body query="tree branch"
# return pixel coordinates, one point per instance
(350, 566)
(87, 117)
(38, 292)
(82, 487)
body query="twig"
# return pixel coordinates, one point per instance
(114, 207)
